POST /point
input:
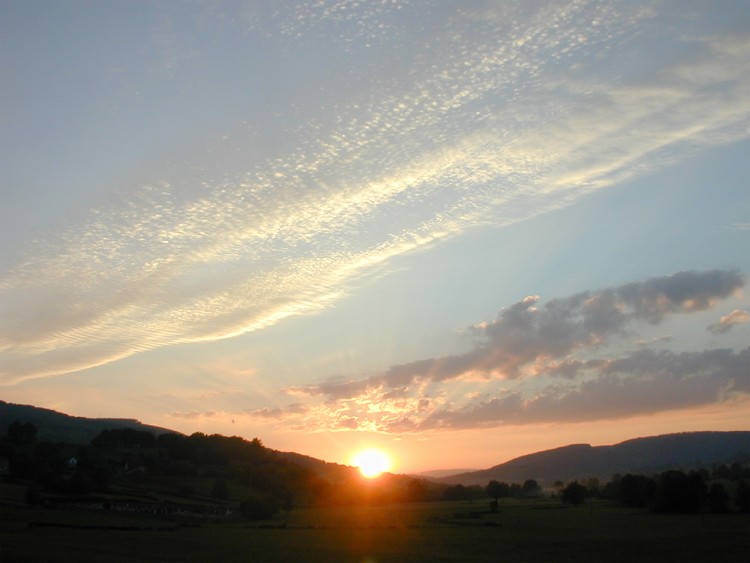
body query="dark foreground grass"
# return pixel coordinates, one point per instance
(410, 532)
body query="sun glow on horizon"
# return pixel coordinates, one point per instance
(371, 462)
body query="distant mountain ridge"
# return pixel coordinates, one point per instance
(440, 473)
(53, 426)
(643, 455)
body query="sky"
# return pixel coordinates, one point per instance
(459, 231)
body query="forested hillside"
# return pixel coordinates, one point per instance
(54, 426)
(690, 450)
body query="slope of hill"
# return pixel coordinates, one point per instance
(53, 426)
(199, 472)
(437, 474)
(642, 455)
(326, 469)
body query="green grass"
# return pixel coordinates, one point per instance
(546, 531)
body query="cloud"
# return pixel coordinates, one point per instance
(655, 340)
(558, 361)
(527, 336)
(487, 132)
(371, 412)
(727, 322)
(193, 415)
(641, 383)
(277, 413)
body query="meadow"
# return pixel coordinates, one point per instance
(543, 530)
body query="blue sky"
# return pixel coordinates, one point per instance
(483, 227)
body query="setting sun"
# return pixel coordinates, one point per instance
(371, 462)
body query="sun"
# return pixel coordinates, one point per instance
(371, 462)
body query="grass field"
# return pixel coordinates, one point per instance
(460, 531)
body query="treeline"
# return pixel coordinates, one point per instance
(250, 479)
(243, 474)
(677, 491)
(724, 489)
(196, 465)
(494, 489)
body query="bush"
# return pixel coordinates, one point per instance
(259, 507)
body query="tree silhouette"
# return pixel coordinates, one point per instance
(531, 488)
(124, 438)
(593, 487)
(456, 492)
(574, 493)
(742, 496)
(496, 490)
(718, 499)
(259, 507)
(679, 492)
(636, 491)
(21, 433)
(220, 490)
(415, 491)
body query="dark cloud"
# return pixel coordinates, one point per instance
(643, 382)
(683, 291)
(722, 362)
(522, 332)
(570, 368)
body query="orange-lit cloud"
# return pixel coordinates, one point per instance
(645, 382)
(560, 361)
(727, 322)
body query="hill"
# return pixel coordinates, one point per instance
(53, 426)
(146, 468)
(640, 455)
(440, 473)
